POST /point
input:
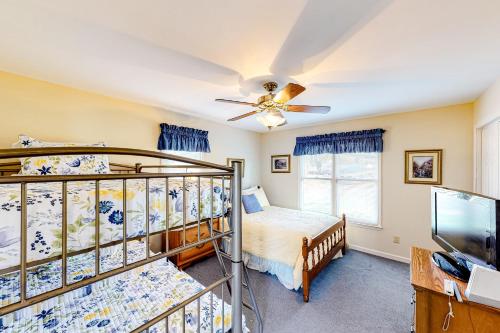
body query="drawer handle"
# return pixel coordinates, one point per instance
(202, 235)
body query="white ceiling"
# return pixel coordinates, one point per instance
(360, 57)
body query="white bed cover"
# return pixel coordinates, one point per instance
(272, 241)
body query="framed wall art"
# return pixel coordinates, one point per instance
(423, 166)
(280, 163)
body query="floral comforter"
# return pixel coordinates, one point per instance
(44, 213)
(122, 303)
(48, 276)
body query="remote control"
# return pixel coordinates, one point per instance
(457, 292)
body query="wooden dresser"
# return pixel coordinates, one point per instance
(186, 258)
(431, 303)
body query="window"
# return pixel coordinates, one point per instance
(197, 155)
(316, 183)
(342, 184)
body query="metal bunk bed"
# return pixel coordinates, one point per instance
(235, 281)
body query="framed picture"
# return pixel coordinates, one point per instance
(242, 160)
(280, 163)
(423, 166)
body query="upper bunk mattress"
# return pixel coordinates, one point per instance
(122, 303)
(44, 212)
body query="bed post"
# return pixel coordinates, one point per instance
(343, 235)
(236, 295)
(305, 270)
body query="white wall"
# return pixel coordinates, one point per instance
(486, 110)
(487, 106)
(405, 208)
(57, 113)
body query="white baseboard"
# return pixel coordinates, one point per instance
(379, 253)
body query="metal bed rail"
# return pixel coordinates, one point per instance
(182, 307)
(224, 173)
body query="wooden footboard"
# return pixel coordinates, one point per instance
(320, 252)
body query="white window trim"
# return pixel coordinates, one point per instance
(333, 179)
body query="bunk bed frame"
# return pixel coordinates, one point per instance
(124, 172)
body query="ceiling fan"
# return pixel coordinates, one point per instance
(270, 106)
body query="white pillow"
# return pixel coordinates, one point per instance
(61, 165)
(259, 194)
(249, 190)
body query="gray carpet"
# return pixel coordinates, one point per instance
(357, 293)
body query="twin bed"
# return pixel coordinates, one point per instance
(293, 245)
(56, 277)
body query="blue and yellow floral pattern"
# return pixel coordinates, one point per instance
(47, 277)
(44, 213)
(123, 303)
(60, 165)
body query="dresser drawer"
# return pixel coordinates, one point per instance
(186, 257)
(196, 252)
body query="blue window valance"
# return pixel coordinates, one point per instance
(367, 141)
(180, 138)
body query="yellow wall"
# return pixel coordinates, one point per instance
(57, 113)
(405, 208)
(53, 112)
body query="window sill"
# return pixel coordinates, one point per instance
(359, 224)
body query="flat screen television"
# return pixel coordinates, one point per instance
(465, 224)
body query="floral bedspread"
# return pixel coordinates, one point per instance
(44, 212)
(122, 303)
(48, 276)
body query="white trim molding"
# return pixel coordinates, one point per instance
(379, 253)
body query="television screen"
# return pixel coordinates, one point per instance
(463, 222)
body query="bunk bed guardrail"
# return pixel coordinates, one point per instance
(228, 175)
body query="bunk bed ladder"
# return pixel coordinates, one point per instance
(220, 254)
(246, 284)
(255, 309)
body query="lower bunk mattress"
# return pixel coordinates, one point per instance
(124, 302)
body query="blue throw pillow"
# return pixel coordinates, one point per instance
(251, 203)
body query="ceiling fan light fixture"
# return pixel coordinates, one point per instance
(269, 106)
(271, 119)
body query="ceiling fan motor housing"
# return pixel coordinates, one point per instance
(270, 86)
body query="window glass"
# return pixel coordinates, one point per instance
(353, 190)
(317, 195)
(188, 154)
(356, 166)
(318, 166)
(358, 200)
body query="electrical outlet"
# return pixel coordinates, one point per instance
(395, 239)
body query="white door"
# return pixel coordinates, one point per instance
(490, 167)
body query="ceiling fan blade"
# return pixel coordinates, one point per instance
(234, 102)
(308, 109)
(243, 116)
(296, 58)
(290, 91)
